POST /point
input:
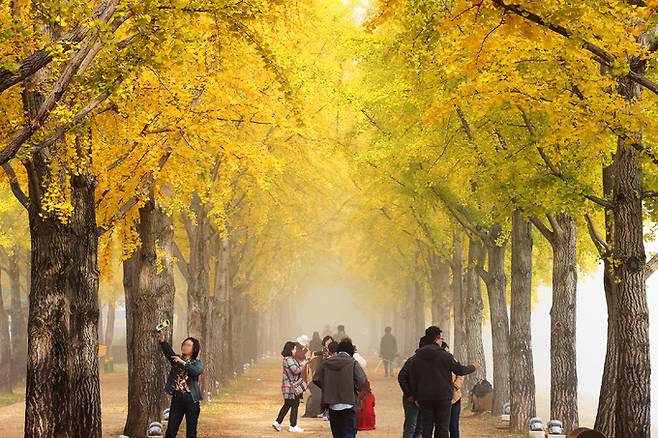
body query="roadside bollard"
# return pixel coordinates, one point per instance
(507, 408)
(155, 429)
(536, 428)
(555, 429)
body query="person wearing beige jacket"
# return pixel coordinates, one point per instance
(457, 382)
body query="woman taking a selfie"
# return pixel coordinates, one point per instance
(183, 385)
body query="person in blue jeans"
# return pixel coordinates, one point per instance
(455, 411)
(340, 377)
(183, 386)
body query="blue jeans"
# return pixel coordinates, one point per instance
(413, 427)
(183, 405)
(343, 423)
(454, 419)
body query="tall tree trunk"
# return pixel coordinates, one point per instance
(109, 325)
(634, 395)
(496, 282)
(6, 380)
(441, 297)
(18, 319)
(63, 394)
(457, 286)
(606, 413)
(564, 378)
(522, 374)
(473, 314)
(149, 290)
(418, 314)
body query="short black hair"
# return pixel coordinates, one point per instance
(287, 348)
(196, 346)
(425, 340)
(434, 331)
(346, 346)
(333, 347)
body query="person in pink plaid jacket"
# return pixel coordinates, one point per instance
(293, 385)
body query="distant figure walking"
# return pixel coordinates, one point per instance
(316, 343)
(292, 386)
(183, 385)
(432, 385)
(341, 334)
(388, 350)
(340, 377)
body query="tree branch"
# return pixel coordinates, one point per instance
(15, 186)
(132, 201)
(601, 245)
(548, 234)
(41, 58)
(601, 55)
(651, 266)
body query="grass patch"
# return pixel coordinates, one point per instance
(7, 399)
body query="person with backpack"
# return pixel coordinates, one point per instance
(340, 377)
(292, 386)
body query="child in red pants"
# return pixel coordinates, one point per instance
(365, 418)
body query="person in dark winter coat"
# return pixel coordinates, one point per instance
(340, 377)
(388, 350)
(431, 385)
(183, 385)
(413, 427)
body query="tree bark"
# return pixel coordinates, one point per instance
(564, 378)
(63, 394)
(149, 290)
(634, 396)
(605, 415)
(109, 325)
(496, 282)
(18, 319)
(6, 380)
(441, 297)
(457, 286)
(522, 375)
(473, 314)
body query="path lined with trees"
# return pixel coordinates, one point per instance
(232, 147)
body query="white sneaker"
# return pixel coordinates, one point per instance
(276, 426)
(296, 429)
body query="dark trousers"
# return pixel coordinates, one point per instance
(413, 427)
(436, 418)
(292, 405)
(343, 423)
(182, 404)
(454, 419)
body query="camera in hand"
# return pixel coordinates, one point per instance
(163, 325)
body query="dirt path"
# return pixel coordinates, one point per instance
(248, 405)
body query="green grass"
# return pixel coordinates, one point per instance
(7, 399)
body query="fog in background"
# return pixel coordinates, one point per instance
(334, 304)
